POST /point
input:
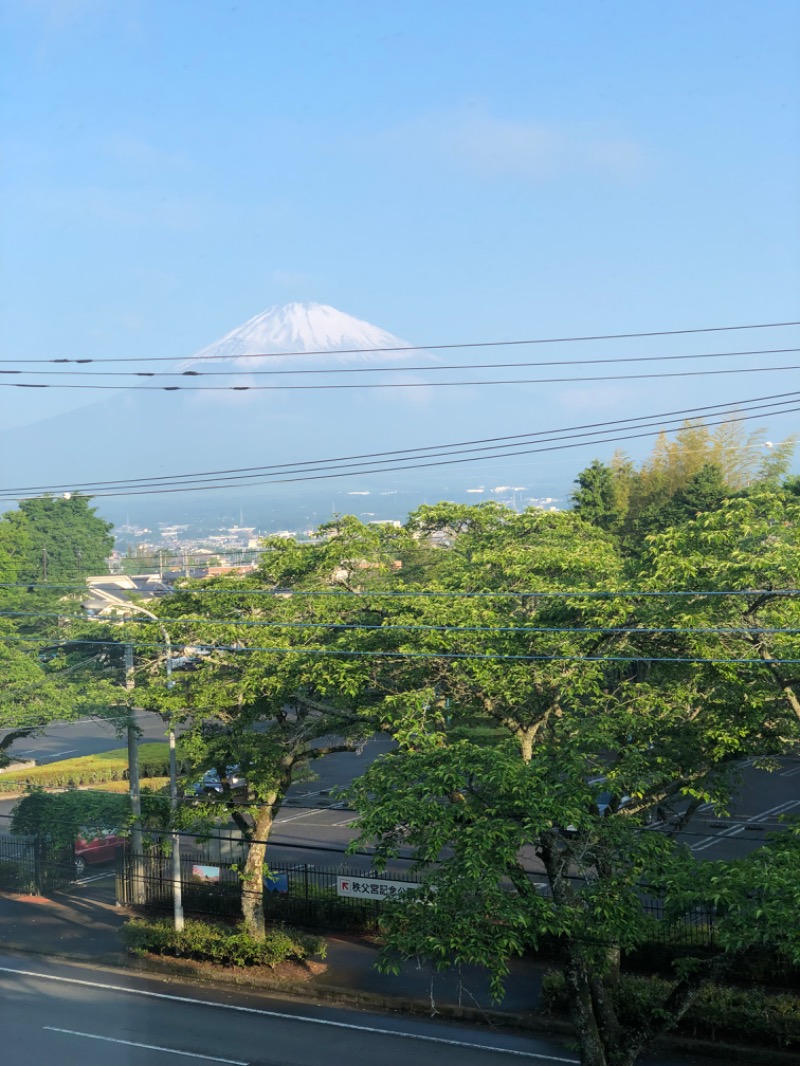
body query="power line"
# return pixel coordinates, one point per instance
(430, 347)
(395, 369)
(308, 475)
(372, 654)
(508, 441)
(260, 623)
(447, 593)
(400, 384)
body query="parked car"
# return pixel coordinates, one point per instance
(92, 850)
(604, 801)
(210, 784)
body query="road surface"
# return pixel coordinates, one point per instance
(74, 1016)
(53, 1012)
(87, 736)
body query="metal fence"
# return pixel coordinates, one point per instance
(32, 865)
(298, 893)
(307, 895)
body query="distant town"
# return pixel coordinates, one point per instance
(208, 543)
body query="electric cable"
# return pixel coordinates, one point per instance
(399, 384)
(734, 407)
(399, 368)
(433, 347)
(205, 486)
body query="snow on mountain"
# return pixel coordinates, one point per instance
(304, 328)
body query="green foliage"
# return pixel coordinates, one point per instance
(89, 769)
(64, 539)
(39, 684)
(599, 498)
(220, 944)
(719, 1012)
(60, 817)
(690, 473)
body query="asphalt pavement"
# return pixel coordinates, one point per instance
(86, 736)
(52, 1011)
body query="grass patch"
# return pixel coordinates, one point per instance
(107, 766)
(220, 944)
(155, 784)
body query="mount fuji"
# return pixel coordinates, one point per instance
(255, 397)
(303, 328)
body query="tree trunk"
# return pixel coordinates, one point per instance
(253, 873)
(593, 1052)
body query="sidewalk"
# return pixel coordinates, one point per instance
(81, 926)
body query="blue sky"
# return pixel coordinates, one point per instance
(454, 170)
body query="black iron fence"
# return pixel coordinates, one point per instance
(32, 865)
(336, 899)
(299, 893)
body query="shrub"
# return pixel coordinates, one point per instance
(719, 1011)
(224, 945)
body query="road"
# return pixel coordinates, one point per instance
(52, 1012)
(87, 736)
(79, 1016)
(314, 834)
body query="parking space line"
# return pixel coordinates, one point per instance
(734, 830)
(294, 817)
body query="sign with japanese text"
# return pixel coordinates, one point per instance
(376, 888)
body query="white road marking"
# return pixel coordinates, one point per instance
(293, 818)
(191, 1001)
(58, 754)
(733, 830)
(147, 1047)
(790, 773)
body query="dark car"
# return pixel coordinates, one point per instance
(210, 784)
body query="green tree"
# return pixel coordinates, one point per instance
(683, 475)
(64, 539)
(651, 717)
(271, 714)
(43, 681)
(597, 498)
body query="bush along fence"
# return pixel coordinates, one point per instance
(719, 1013)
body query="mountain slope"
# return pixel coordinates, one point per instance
(299, 327)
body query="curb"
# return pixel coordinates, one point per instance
(324, 992)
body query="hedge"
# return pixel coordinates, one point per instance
(224, 945)
(90, 769)
(719, 1012)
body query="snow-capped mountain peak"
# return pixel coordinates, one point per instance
(307, 328)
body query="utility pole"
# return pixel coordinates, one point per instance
(44, 564)
(137, 843)
(136, 806)
(177, 884)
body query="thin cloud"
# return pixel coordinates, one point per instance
(494, 146)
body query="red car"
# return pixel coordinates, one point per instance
(95, 849)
